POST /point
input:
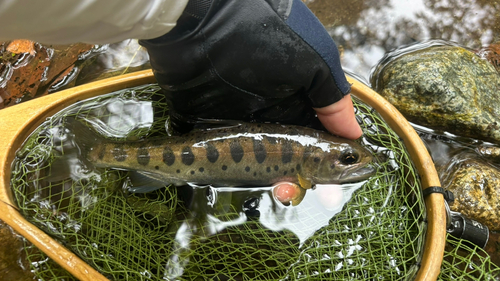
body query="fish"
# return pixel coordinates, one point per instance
(244, 154)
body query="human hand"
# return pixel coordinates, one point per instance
(260, 61)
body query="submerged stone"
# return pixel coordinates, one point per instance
(476, 186)
(13, 264)
(443, 87)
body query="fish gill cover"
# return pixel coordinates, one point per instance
(377, 234)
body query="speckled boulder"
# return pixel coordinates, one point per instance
(476, 186)
(444, 87)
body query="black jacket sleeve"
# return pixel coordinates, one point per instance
(245, 60)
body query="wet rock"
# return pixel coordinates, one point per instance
(476, 186)
(443, 87)
(29, 69)
(12, 256)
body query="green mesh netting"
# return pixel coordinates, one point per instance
(378, 234)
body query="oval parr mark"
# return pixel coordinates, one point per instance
(143, 156)
(259, 150)
(247, 169)
(286, 152)
(119, 154)
(168, 156)
(276, 168)
(268, 169)
(236, 151)
(212, 152)
(224, 167)
(102, 152)
(187, 156)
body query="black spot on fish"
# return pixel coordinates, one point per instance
(247, 169)
(102, 152)
(292, 170)
(187, 156)
(286, 152)
(178, 171)
(212, 153)
(316, 159)
(192, 172)
(268, 169)
(224, 167)
(236, 151)
(298, 167)
(201, 169)
(254, 174)
(276, 168)
(168, 156)
(143, 156)
(119, 154)
(157, 167)
(285, 172)
(259, 150)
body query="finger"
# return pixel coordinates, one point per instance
(287, 192)
(339, 119)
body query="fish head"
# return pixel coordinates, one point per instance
(345, 163)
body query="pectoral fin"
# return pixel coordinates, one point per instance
(143, 183)
(304, 183)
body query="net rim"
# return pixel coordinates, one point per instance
(19, 121)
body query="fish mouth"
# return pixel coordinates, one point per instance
(357, 174)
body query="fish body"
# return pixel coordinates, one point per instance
(247, 154)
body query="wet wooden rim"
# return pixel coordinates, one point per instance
(434, 203)
(19, 121)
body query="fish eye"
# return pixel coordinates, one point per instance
(349, 157)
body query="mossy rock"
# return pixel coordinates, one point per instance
(476, 186)
(444, 87)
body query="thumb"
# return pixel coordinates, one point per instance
(339, 119)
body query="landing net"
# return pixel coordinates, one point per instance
(378, 234)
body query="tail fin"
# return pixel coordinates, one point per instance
(85, 137)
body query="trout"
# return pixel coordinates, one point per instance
(247, 154)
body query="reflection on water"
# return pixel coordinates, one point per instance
(115, 59)
(367, 29)
(216, 209)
